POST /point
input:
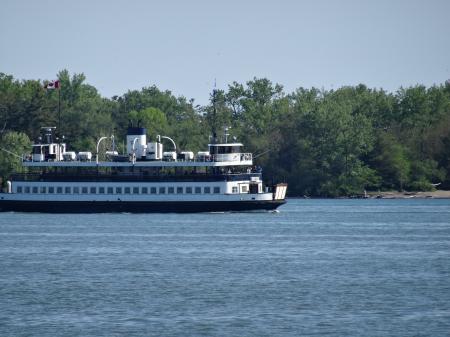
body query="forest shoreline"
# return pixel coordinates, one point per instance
(438, 194)
(334, 143)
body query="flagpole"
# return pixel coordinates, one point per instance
(59, 111)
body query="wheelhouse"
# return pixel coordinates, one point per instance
(225, 148)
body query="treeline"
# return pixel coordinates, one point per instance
(322, 143)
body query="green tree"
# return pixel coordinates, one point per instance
(151, 118)
(391, 162)
(13, 145)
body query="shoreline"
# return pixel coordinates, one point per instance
(438, 194)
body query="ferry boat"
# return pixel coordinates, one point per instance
(145, 179)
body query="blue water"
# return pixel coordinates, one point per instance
(319, 267)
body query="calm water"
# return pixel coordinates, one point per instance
(319, 267)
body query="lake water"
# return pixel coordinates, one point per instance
(319, 267)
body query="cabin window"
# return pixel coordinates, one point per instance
(162, 190)
(198, 190)
(59, 190)
(234, 189)
(43, 189)
(51, 190)
(226, 149)
(171, 190)
(27, 189)
(144, 190)
(135, 190)
(93, 190)
(153, 190)
(67, 190)
(110, 190)
(118, 190)
(216, 189)
(207, 190)
(19, 189)
(179, 190)
(84, 190)
(244, 188)
(189, 190)
(127, 190)
(101, 190)
(37, 150)
(35, 189)
(76, 190)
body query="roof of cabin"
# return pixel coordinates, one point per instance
(226, 144)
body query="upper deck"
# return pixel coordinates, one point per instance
(50, 152)
(238, 159)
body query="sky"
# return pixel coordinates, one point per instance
(187, 46)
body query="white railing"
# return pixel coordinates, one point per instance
(228, 157)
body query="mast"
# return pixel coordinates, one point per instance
(214, 130)
(59, 110)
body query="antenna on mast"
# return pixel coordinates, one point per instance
(214, 131)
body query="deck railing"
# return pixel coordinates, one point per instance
(228, 157)
(107, 177)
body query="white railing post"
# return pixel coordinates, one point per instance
(98, 144)
(133, 159)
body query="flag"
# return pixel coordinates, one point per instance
(52, 85)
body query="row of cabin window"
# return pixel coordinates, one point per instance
(118, 190)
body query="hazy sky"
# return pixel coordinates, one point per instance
(183, 46)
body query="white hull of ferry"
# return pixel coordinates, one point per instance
(44, 197)
(138, 204)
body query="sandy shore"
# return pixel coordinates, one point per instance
(404, 195)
